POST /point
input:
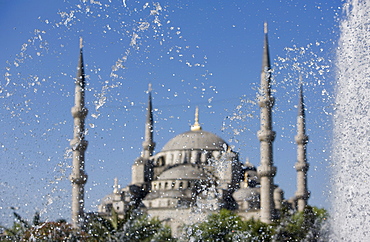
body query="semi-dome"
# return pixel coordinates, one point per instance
(196, 140)
(183, 172)
(247, 194)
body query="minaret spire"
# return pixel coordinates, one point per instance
(302, 194)
(266, 55)
(148, 144)
(196, 126)
(142, 167)
(79, 145)
(266, 135)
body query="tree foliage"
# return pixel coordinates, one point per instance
(22, 230)
(225, 226)
(309, 225)
(135, 226)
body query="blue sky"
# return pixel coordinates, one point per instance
(195, 53)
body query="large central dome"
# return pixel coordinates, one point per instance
(196, 140)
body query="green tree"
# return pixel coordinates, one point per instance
(135, 226)
(308, 225)
(15, 233)
(255, 230)
(22, 230)
(54, 231)
(20, 226)
(227, 226)
(145, 229)
(99, 227)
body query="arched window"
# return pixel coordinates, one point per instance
(197, 158)
(179, 158)
(210, 158)
(161, 161)
(108, 207)
(181, 185)
(173, 185)
(165, 185)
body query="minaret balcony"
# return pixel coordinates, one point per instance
(301, 139)
(79, 112)
(302, 166)
(266, 101)
(78, 144)
(265, 170)
(302, 195)
(148, 145)
(78, 179)
(266, 135)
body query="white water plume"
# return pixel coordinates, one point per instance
(351, 142)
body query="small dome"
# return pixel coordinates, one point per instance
(183, 172)
(196, 139)
(247, 194)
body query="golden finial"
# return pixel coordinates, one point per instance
(246, 180)
(81, 44)
(265, 27)
(196, 125)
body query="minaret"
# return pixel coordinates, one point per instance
(141, 170)
(116, 186)
(302, 194)
(148, 144)
(79, 145)
(266, 170)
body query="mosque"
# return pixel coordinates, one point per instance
(197, 172)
